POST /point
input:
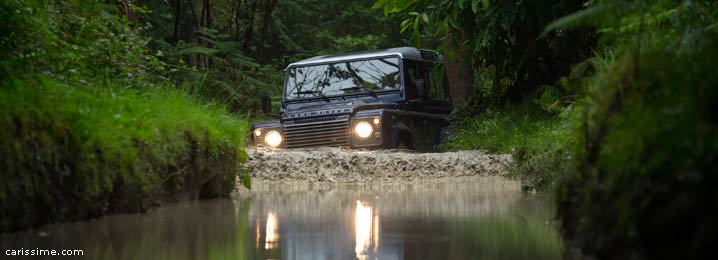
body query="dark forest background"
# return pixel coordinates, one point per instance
(237, 49)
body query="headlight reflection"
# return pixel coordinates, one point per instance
(366, 228)
(271, 234)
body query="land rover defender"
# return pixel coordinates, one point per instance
(392, 98)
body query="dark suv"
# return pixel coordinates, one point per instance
(393, 98)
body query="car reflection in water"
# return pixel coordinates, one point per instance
(442, 219)
(366, 229)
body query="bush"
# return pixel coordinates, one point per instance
(646, 141)
(536, 138)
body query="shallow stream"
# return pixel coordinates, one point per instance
(445, 218)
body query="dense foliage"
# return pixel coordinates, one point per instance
(627, 137)
(646, 135)
(645, 150)
(502, 41)
(91, 127)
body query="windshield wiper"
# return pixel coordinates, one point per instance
(315, 92)
(361, 87)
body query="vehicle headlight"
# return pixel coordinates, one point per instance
(363, 130)
(273, 138)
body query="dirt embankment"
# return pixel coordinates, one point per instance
(342, 165)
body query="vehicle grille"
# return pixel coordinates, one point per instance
(327, 133)
(259, 140)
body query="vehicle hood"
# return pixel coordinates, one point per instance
(348, 107)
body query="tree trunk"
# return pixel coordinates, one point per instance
(232, 15)
(203, 23)
(192, 60)
(131, 16)
(237, 19)
(208, 14)
(459, 72)
(178, 12)
(249, 32)
(268, 7)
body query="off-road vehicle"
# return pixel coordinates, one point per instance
(392, 98)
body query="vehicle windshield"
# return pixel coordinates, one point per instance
(343, 78)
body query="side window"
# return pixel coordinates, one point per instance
(411, 74)
(435, 81)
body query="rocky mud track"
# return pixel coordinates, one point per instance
(343, 165)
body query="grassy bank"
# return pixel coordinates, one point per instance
(91, 127)
(646, 141)
(71, 152)
(536, 139)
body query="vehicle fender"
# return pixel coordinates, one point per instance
(397, 129)
(266, 124)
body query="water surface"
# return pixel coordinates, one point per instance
(459, 218)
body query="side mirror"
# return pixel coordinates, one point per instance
(420, 87)
(266, 104)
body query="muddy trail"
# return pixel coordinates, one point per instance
(351, 166)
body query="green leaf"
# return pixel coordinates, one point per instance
(245, 61)
(576, 18)
(405, 25)
(379, 4)
(425, 17)
(230, 89)
(242, 155)
(246, 179)
(416, 27)
(198, 50)
(414, 13)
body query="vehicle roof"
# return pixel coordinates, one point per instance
(403, 52)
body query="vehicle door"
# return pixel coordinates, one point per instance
(437, 102)
(427, 102)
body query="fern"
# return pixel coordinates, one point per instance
(583, 17)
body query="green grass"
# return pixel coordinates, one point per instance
(536, 139)
(118, 119)
(508, 129)
(71, 152)
(90, 126)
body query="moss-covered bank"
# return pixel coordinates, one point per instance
(69, 153)
(89, 126)
(646, 145)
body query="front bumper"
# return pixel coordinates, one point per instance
(324, 133)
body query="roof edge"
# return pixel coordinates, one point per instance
(402, 52)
